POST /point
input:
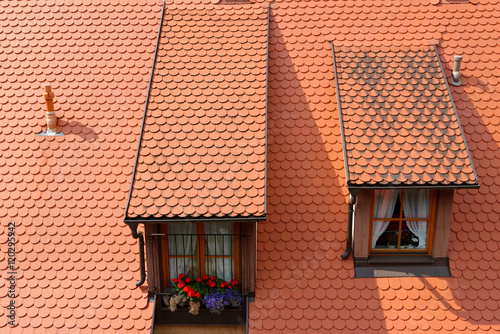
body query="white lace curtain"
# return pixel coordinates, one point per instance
(183, 252)
(385, 201)
(219, 250)
(182, 249)
(416, 205)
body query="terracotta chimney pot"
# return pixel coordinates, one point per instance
(50, 114)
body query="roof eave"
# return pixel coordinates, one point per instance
(154, 220)
(413, 186)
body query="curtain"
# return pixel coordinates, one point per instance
(182, 249)
(219, 250)
(385, 201)
(416, 205)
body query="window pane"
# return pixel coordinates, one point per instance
(179, 240)
(414, 234)
(219, 250)
(220, 267)
(385, 234)
(387, 203)
(185, 265)
(217, 240)
(182, 250)
(416, 203)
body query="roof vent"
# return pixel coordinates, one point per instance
(50, 114)
(455, 74)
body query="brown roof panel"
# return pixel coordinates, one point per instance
(202, 151)
(400, 126)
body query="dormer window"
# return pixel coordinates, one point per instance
(404, 154)
(402, 221)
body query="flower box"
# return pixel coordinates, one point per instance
(231, 317)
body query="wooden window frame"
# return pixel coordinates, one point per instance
(200, 253)
(405, 252)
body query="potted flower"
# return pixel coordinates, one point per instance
(221, 294)
(213, 292)
(408, 240)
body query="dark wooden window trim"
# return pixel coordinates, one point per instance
(200, 253)
(400, 219)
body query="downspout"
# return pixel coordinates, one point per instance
(350, 214)
(139, 235)
(142, 260)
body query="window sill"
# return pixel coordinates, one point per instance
(401, 266)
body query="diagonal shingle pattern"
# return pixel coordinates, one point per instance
(400, 127)
(203, 144)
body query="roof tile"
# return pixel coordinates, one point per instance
(389, 123)
(202, 133)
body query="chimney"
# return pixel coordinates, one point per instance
(455, 74)
(50, 115)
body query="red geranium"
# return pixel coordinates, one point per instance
(195, 289)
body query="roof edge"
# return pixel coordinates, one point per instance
(456, 115)
(145, 109)
(266, 109)
(341, 121)
(413, 186)
(153, 220)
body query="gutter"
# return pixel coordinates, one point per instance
(413, 186)
(132, 222)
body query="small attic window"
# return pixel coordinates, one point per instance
(402, 221)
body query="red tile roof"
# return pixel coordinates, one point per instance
(77, 260)
(77, 263)
(303, 285)
(203, 145)
(399, 122)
